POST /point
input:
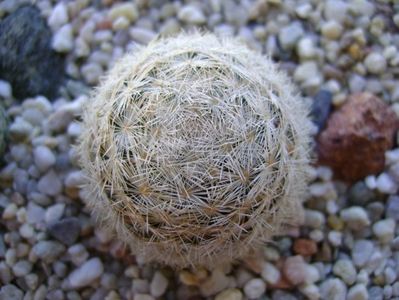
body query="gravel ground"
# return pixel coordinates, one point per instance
(348, 247)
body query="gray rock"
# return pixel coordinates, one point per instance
(50, 184)
(158, 285)
(26, 58)
(11, 292)
(22, 268)
(321, 107)
(66, 230)
(48, 251)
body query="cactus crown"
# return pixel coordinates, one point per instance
(196, 149)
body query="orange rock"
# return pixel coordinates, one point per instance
(305, 247)
(357, 136)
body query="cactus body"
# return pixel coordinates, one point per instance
(196, 150)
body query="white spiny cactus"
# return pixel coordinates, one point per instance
(196, 150)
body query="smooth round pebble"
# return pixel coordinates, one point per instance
(254, 288)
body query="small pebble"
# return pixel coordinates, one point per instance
(270, 273)
(254, 288)
(86, 274)
(361, 252)
(65, 230)
(375, 63)
(50, 184)
(358, 292)
(333, 289)
(355, 217)
(158, 284)
(11, 292)
(192, 15)
(63, 39)
(295, 269)
(44, 158)
(229, 294)
(345, 269)
(58, 16)
(384, 230)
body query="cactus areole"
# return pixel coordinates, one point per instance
(195, 149)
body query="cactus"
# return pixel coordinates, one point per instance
(196, 150)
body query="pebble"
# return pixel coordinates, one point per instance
(254, 288)
(270, 273)
(306, 48)
(345, 269)
(333, 289)
(384, 230)
(314, 219)
(331, 30)
(22, 268)
(335, 10)
(392, 210)
(158, 284)
(11, 292)
(143, 297)
(54, 212)
(66, 230)
(63, 39)
(58, 16)
(44, 158)
(305, 247)
(192, 15)
(91, 72)
(86, 274)
(361, 252)
(375, 63)
(142, 35)
(48, 251)
(385, 184)
(78, 254)
(214, 284)
(290, 35)
(50, 184)
(358, 292)
(294, 269)
(5, 89)
(355, 217)
(229, 294)
(311, 291)
(127, 10)
(303, 11)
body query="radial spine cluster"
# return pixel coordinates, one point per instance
(196, 150)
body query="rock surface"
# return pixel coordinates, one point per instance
(26, 58)
(357, 136)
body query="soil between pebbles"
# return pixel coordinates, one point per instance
(348, 247)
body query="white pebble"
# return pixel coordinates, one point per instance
(345, 269)
(86, 274)
(91, 72)
(142, 35)
(331, 30)
(361, 252)
(192, 15)
(375, 63)
(333, 289)
(311, 291)
(306, 48)
(128, 10)
(314, 219)
(303, 11)
(384, 230)
(386, 185)
(358, 292)
(335, 238)
(270, 273)
(44, 158)
(229, 294)
(63, 39)
(254, 288)
(371, 182)
(75, 179)
(290, 34)
(355, 217)
(5, 89)
(54, 212)
(58, 16)
(335, 10)
(158, 284)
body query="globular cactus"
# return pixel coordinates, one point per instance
(196, 150)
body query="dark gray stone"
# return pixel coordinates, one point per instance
(66, 230)
(26, 58)
(11, 292)
(321, 108)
